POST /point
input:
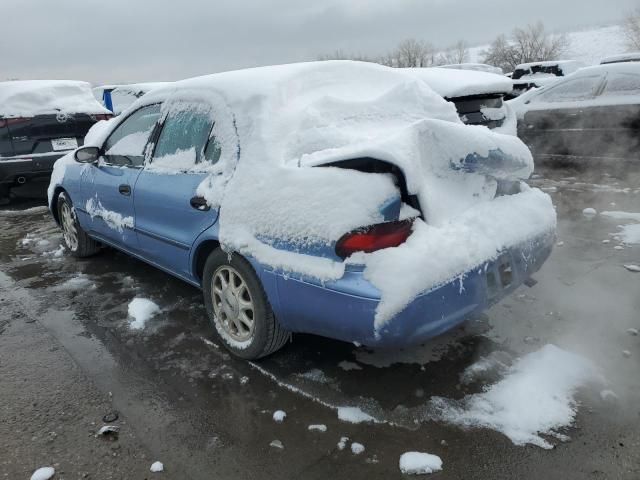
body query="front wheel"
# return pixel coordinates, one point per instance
(238, 307)
(76, 240)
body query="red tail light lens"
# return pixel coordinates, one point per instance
(102, 116)
(375, 237)
(5, 122)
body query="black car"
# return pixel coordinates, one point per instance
(40, 121)
(539, 74)
(593, 113)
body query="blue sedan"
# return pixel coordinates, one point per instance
(181, 180)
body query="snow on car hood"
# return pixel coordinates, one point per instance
(452, 83)
(36, 97)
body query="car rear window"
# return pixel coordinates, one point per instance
(622, 84)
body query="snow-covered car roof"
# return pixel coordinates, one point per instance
(451, 83)
(623, 57)
(550, 63)
(478, 67)
(37, 97)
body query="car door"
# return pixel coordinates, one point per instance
(169, 213)
(559, 121)
(108, 186)
(618, 112)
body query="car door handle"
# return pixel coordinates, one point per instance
(124, 190)
(200, 203)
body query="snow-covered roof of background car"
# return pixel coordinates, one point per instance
(451, 83)
(478, 67)
(622, 67)
(623, 57)
(550, 63)
(37, 97)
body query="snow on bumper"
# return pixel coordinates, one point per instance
(432, 283)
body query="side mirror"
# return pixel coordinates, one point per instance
(87, 154)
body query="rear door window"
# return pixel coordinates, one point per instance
(573, 90)
(185, 139)
(622, 84)
(125, 146)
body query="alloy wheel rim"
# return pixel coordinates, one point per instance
(69, 231)
(232, 304)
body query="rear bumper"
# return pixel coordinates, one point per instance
(27, 166)
(345, 309)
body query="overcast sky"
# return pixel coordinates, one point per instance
(110, 41)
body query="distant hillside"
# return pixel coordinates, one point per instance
(589, 45)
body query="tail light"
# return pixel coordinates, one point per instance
(375, 237)
(6, 122)
(101, 116)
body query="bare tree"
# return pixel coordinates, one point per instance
(529, 44)
(631, 29)
(414, 53)
(456, 54)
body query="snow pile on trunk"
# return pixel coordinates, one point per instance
(141, 310)
(469, 239)
(418, 463)
(27, 98)
(536, 397)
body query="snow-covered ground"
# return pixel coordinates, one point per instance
(536, 396)
(588, 45)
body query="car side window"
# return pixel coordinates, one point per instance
(125, 146)
(622, 84)
(184, 140)
(576, 89)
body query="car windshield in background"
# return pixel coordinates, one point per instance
(571, 90)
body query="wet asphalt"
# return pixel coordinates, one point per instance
(206, 415)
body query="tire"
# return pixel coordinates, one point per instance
(228, 308)
(75, 239)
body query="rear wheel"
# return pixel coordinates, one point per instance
(76, 240)
(238, 308)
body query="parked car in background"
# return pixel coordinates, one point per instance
(478, 96)
(338, 198)
(621, 58)
(118, 98)
(40, 121)
(593, 113)
(538, 74)
(476, 67)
